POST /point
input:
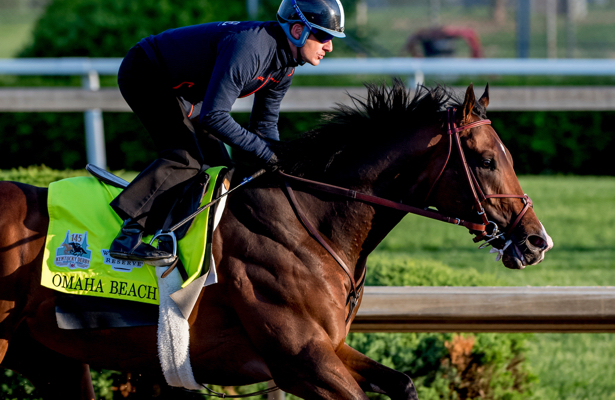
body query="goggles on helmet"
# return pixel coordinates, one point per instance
(321, 36)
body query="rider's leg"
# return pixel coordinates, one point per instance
(151, 97)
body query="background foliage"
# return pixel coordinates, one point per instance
(445, 365)
(542, 142)
(108, 28)
(581, 144)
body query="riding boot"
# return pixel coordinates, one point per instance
(128, 245)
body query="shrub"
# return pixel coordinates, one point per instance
(42, 176)
(108, 28)
(58, 140)
(558, 142)
(540, 142)
(445, 365)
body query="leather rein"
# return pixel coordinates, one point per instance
(487, 230)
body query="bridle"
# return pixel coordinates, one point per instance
(487, 230)
(491, 230)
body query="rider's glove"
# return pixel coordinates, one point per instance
(273, 164)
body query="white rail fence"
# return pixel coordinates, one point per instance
(93, 100)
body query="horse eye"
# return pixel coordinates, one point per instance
(487, 163)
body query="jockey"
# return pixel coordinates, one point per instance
(210, 66)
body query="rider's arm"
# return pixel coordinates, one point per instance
(236, 63)
(266, 109)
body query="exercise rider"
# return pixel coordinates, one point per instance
(211, 65)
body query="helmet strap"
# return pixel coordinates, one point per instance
(300, 42)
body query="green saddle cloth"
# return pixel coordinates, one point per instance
(82, 225)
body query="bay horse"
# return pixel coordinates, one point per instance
(285, 300)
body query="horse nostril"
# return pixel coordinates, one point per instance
(537, 241)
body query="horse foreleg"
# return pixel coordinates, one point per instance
(375, 377)
(315, 373)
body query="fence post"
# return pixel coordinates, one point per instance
(252, 6)
(417, 79)
(523, 28)
(94, 131)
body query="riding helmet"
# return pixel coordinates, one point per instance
(319, 16)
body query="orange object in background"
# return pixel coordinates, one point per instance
(440, 42)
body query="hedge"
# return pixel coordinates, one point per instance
(445, 365)
(540, 142)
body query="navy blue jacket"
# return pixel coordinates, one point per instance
(218, 62)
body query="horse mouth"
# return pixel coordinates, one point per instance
(513, 257)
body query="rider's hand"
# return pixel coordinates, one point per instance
(273, 164)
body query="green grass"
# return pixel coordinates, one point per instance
(14, 36)
(573, 366)
(15, 29)
(577, 212)
(579, 215)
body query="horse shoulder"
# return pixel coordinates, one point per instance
(275, 274)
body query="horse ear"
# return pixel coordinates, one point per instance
(468, 103)
(484, 99)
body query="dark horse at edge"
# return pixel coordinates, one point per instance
(279, 310)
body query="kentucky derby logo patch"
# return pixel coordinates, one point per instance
(120, 265)
(74, 253)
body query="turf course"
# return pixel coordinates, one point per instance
(579, 214)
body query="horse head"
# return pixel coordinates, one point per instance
(426, 150)
(476, 182)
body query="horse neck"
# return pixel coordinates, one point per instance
(356, 228)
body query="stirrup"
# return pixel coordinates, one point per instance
(171, 260)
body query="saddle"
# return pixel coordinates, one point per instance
(76, 309)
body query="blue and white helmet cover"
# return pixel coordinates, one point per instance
(324, 15)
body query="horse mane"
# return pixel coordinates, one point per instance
(365, 121)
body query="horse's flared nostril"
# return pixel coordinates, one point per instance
(537, 241)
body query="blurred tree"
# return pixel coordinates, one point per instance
(108, 28)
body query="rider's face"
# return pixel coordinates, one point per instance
(313, 51)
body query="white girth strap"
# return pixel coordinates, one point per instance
(173, 328)
(173, 334)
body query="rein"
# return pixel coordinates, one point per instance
(487, 230)
(355, 290)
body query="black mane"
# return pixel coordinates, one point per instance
(382, 112)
